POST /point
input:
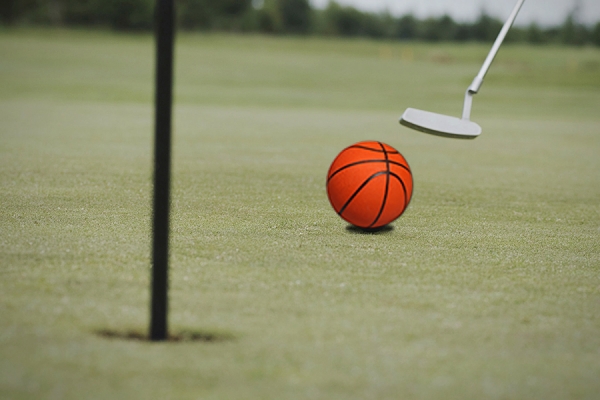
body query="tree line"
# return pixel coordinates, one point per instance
(286, 17)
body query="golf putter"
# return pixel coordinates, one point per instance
(452, 127)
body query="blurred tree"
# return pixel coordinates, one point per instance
(12, 11)
(194, 14)
(296, 16)
(9, 11)
(348, 21)
(268, 17)
(376, 26)
(516, 34)
(287, 16)
(43, 12)
(344, 21)
(439, 29)
(552, 34)
(486, 28)
(230, 7)
(573, 33)
(406, 27)
(129, 14)
(595, 34)
(463, 32)
(535, 35)
(85, 12)
(215, 14)
(268, 21)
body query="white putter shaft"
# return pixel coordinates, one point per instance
(460, 128)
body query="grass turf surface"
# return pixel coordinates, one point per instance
(487, 287)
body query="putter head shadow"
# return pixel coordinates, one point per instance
(440, 125)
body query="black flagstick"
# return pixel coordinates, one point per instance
(162, 168)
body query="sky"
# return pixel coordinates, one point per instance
(543, 12)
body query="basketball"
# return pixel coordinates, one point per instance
(369, 184)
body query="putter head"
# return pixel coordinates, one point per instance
(441, 125)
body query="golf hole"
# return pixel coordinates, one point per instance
(176, 337)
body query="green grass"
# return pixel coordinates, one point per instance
(488, 287)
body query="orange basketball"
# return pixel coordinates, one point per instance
(369, 184)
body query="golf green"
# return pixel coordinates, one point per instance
(488, 287)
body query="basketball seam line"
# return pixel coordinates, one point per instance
(387, 185)
(375, 175)
(406, 199)
(357, 191)
(366, 162)
(370, 149)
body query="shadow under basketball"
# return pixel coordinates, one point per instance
(369, 231)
